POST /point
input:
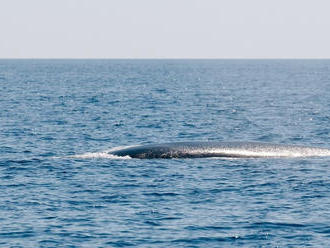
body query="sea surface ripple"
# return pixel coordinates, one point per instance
(59, 118)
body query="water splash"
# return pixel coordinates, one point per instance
(101, 154)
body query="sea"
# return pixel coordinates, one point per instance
(59, 187)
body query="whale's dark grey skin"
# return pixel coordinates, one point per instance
(220, 149)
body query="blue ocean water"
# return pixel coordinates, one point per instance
(59, 189)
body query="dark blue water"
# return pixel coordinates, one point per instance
(59, 189)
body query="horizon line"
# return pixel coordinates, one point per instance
(165, 58)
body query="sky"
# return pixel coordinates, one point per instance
(164, 29)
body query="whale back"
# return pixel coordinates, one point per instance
(220, 149)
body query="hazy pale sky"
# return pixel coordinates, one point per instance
(164, 28)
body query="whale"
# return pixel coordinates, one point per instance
(206, 149)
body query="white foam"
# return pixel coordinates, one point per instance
(97, 155)
(103, 154)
